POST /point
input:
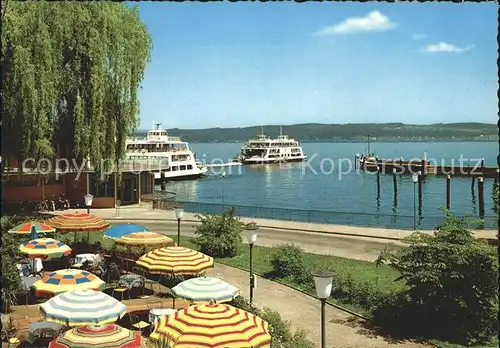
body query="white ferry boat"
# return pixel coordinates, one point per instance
(267, 150)
(157, 146)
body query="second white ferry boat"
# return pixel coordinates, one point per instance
(266, 150)
(157, 145)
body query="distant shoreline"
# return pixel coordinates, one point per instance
(360, 141)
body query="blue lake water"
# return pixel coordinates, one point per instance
(325, 183)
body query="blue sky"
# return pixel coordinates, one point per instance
(242, 64)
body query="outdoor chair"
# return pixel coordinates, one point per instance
(116, 287)
(138, 324)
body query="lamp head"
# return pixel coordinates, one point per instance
(179, 213)
(223, 173)
(323, 282)
(414, 177)
(251, 232)
(88, 199)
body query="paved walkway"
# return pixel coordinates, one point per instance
(303, 311)
(145, 213)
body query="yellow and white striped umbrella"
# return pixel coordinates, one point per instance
(175, 260)
(83, 307)
(213, 325)
(145, 238)
(63, 280)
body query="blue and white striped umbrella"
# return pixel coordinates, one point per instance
(83, 307)
(205, 289)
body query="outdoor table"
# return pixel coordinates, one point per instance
(129, 280)
(81, 258)
(157, 313)
(43, 328)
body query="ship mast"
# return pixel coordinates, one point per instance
(281, 131)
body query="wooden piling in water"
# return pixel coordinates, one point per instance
(480, 188)
(394, 183)
(356, 159)
(448, 194)
(420, 179)
(378, 181)
(424, 168)
(472, 184)
(497, 177)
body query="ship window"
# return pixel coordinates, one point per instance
(190, 166)
(183, 167)
(175, 168)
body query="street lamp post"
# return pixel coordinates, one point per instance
(179, 213)
(323, 282)
(223, 174)
(88, 202)
(251, 234)
(414, 178)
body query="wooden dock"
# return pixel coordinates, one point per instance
(428, 169)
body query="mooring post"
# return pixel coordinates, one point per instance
(473, 182)
(356, 159)
(448, 187)
(378, 181)
(497, 177)
(394, 183)
(419, 192)
(480, 188)
(424, 167)
(482, 166)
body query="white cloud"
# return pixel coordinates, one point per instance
(446, 47)
(418, 36)
(374, 21)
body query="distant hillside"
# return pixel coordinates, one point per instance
(347, 132)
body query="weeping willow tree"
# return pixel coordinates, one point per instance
(71, 73)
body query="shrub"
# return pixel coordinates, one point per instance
(287, 261)
(452, 286)
(10, 280)
(495, 195)
(279, 329)
(219, 235)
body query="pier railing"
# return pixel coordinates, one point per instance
(317, 216)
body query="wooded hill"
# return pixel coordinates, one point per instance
(347, 132)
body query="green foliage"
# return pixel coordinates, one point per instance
(279, 329)
(287, 261)
(10, 280)
(452, 286)
(219, 235)
(71, 74)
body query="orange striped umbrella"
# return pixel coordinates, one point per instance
(77, 222)
(175, 260)
(213, 325)
(145, 238)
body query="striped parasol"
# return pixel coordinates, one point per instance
(83, 307)
(45, 248)
(175, 260)
(213, 325)
(98, 336)
(205, 289)
(77, 222)
(145, 238)
(26, 228)
(63, 280)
